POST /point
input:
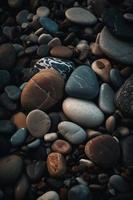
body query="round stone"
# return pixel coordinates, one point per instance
(82, 83)
(118, 183)
(7, 56)
(127, 148)
(54, 42)
(44, 38)
(43, 50)
(116, 78)
(128, 17)
(102, 68)
(48, 24)
(19, 119)
(19, 137)
(61, 146)
(106, 99)
(61, 52)
(115, 48)
(84, 113)
(13, 92)
(50, 137)
(80, 16)
(110, 123)
(35, 144)
(43, 90)
(22, 16)
(56, 164)
(79, 192)
(64, 67)
(38, 123)
(42, 11)
(10, 169)
(99, 149)
(7, 128)
(51, 195)
(72, 132)
(124, 97)
(5, 78)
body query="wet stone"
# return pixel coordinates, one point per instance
(13, 92)
(19, 137)
(48, 24)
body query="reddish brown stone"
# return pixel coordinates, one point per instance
(19, 119)
(61, 52)
(61, 146)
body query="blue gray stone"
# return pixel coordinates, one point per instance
(13, 92)
(35, 144)
(18, 138)
(82, 83)
(106, 99)
(72, 132)
(49, 24)
(116, 79)
(7, 128)
(118, 183)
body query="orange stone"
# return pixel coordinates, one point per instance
(61, 52)
(19, 119)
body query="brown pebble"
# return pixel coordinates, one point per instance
(103, 150)
(61, 146)
(19, 119)
(56, 164)
(102, 68)
(61, 52)
(43, 90)
(110, 123)
(95, 49)
(126, 72)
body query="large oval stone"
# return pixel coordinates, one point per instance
(84, 113)
(103, 150)
(43, 90)
(82, 83)
(72, 132)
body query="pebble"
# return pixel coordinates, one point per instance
(82, 83)
(13, 92)
(7, 128)
(79, 192)
(99, 149)
(21, 17)
(51, 195)
(102, 68)
(44, 38)
(56, 164)
(92, 133)
(64, 67)
(7, 56)
(31, 50)
(35, 171)
(127, 149)
(43, 50)
(42, 11)
(42, 91)
(118, 183)
(48, 24)
(106, 99)
(21, 188)
(128, 17)
(54, 42)
(19, 119)
(10, 169)
(72, 132)
(81, 16)
(61, 52)
(35, 144)
(84, 113)
(116, 79)
(124, 97)
(115, 48)
(86, 163)
(38, 123)
(8, 103)
(61, 146)
(110, 124)
(50, 137)
(5, 78)
(19, 137)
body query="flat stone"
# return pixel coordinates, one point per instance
(56, 164)
(128, 17)
(80, 16)
(38, 123)
(110, 123)
(79, 192)
(35, 144)
(61, 146)
(7, 128)
(10, 169)
(124, 97)
(42, 11)
(116, 78)
(54, 42)
(44, 38)
(13, 92)
(19, 137)
(49, 24)
(84, 113)
(21, 17)
(50, 137)
(82, 83)
(116, 49)
(19, 119)
(51, 195)
(106, 99)
(61, 52)
(43, 90)
(63, 66)
(43, 50)
(99, 149)
(72, 132)
(7, 56)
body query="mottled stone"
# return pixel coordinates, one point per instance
(61, 146)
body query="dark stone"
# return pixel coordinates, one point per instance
(4, 146)
(7, 128)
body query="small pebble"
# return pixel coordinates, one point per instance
(50, 137)
(18, 138)
(13, 92)
(61, 146)
(19, 119)
(42, 11)
(51, 195)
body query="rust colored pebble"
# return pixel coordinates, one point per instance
(110, 123)
(19, 119)
(61, 52)
(61, 146)
(103, 150)
(56, 164)
(43, 90)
